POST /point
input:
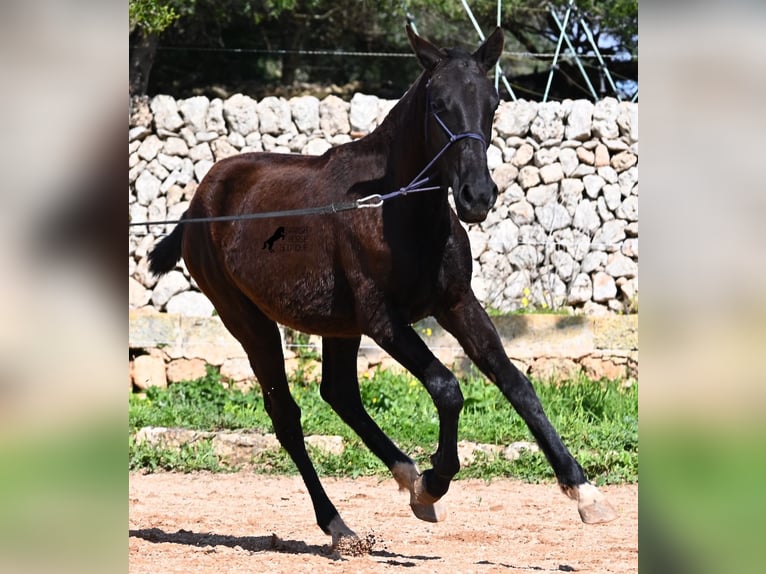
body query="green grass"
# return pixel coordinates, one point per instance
(598, 421)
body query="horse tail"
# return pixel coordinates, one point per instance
(166, 253)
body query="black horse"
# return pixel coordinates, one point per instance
(371, 271)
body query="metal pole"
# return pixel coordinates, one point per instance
(558, 46)
(598, 55)
(497, 66)
(572, 50)
(498, 71)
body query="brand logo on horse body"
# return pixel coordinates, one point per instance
(287, 239)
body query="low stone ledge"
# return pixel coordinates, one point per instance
(540, 345)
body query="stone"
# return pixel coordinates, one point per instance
(630, 247)
(514, 118)
(553, 216)
(478, 240)
(191, 304)
(237, 369)
(138, 295)
(564, 264)
(627, 120)
(542, 194)
(157, 169)
(175, 147)
(167, 286)
(316, 147)
(608, 173)
(603, 211)
(504, 175)
(570, 191)
(149, 371)
(236, 139)
(201, 168)
(150, 147)
(194, 112)
(580, 289)
(551, 173)
(169, 162)
(147, 188)
(201, 151)
(628, 180)
(241, 114)
(548, 124)
(604, 287)
(609, 236)
(166, 116)
(586, 156)
(618, 265)
(593, 261)
(514, 450)
(223, 149)
(524, 257)
(546, 156)
(523, 155)
(593, 185)
(274, 116)
(605, 114)
(363, 112)
(612, 197)
(515, 286)
(504, 236)
(215, 124)
(332, 444)
(494, 157)
(597, 368)
(615, 145)
(521, 212)
(333, 116)
(554, 369)
(628, 209)
(305, 113)
(529, 176)
(623, 161)
(579, 120)
(601, 156)
(179, 370)
(568, 160)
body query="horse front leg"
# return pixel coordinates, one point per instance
(473, 329)
(405, 346)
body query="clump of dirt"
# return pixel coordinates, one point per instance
(354, 546)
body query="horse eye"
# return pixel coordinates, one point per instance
(438, 106)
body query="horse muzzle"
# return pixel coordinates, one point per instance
(474, 200)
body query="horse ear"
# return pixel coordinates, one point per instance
(489, 52)
(428, 54)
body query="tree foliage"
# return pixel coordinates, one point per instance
(219, 47)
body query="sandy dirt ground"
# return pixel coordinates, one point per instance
(243, 522)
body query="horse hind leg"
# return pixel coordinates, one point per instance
(260, 338)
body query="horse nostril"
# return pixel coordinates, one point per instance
(466, 193)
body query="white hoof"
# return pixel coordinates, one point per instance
(591, 504)
(423, 505)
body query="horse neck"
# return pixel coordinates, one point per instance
(401, 136)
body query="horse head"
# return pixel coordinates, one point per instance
(460, 103)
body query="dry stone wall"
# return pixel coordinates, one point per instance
(563, 234)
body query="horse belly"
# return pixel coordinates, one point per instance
(295, 284)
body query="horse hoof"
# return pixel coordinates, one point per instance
(597, 512)
(424, 505)
(429, 512)
(341, 534)
(591, 504)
